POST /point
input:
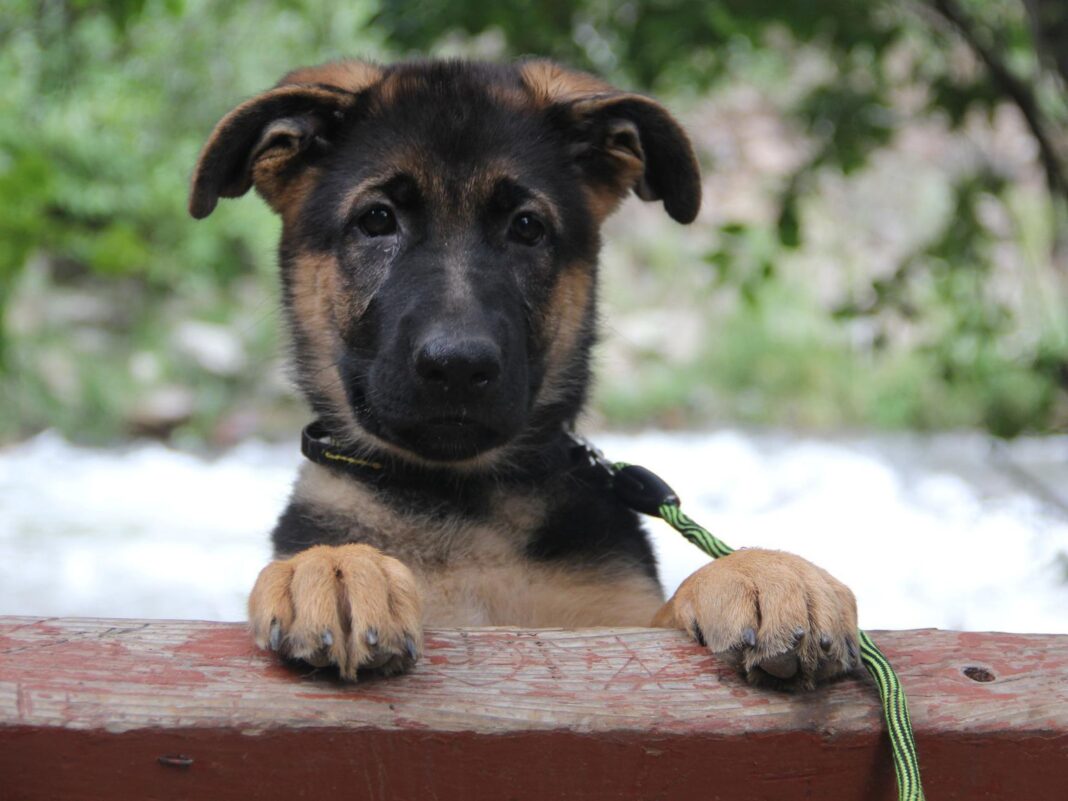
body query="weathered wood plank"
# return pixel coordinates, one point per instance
(89, 707)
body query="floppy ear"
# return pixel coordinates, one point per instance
(620, 140)
(265, 140)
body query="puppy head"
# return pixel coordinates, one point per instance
(440, 237)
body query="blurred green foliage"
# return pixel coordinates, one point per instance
(105, 105)
(104, 109)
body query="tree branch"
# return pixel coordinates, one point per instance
(1049, 25)
(1019, 92)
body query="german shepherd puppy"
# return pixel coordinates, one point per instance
(440, 233)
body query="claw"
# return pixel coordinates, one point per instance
(852, 648)
(825, 642)
(798, 634)
(409, 645)
(372, 637)
(276, 635)
(749, 637)
(328, 639)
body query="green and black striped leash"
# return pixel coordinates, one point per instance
(644, 491)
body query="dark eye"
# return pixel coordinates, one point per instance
(377, 221)
(526, 229)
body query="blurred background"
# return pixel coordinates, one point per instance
(861, 346)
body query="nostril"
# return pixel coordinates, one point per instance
(432, 364)
(485, 371)
(460, 365)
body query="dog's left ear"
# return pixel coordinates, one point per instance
(620, 140)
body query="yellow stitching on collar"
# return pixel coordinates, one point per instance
(337, 457)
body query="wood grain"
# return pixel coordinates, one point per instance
(95, 709)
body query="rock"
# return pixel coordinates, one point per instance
(161, 411)
(213, 347)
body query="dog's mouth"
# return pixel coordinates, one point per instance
(445, 438)
(447, 421)
(450, 437)
(434, 430)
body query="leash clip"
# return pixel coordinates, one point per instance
(638, 487)
(592, 453)
(643, 490)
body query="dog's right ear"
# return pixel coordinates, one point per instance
(265, 141)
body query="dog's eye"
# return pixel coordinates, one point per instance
(526, 229)
(377, 221)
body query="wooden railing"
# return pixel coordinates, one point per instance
(137, 709)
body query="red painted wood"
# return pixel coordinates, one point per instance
(117, 709)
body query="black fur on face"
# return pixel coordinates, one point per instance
(451, 218)
(440, 239)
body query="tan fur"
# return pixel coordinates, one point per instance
(349, 74)
(603, 202)
(775, 594)
(314, 287)
(624, 145)
(269, 602)
(201, 199)
(516, 592)
(568, 311)
(319, 311)
(426, 544)
(477, 574)
(346, 593)
(328, 87)
(550, 83)
(284, 197)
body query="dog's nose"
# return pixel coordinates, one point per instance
(459, 366)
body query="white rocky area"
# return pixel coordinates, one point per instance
(949, 531)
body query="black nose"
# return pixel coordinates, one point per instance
(460, 366)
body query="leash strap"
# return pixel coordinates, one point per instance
(644, 491)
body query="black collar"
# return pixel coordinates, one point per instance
(318, 446)
(637, 487)
(566, 452)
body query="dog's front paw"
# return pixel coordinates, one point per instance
(347, 605)
(778, 618)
